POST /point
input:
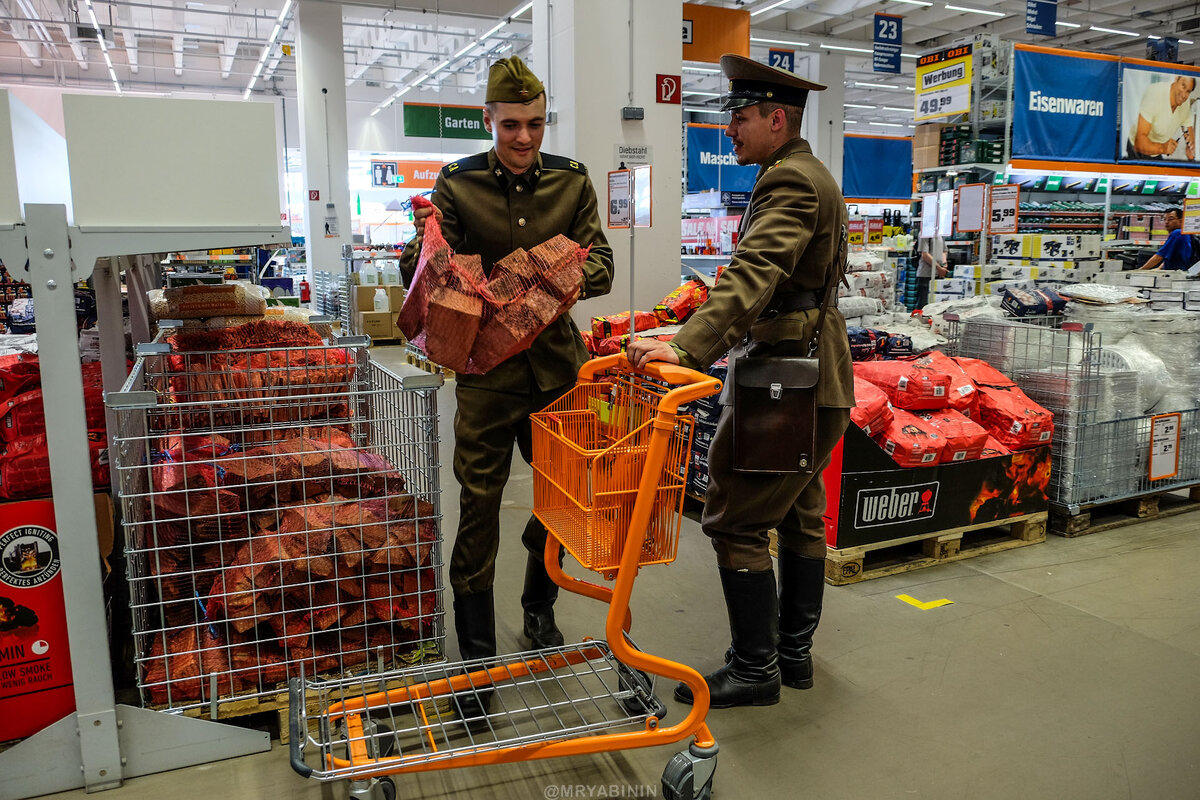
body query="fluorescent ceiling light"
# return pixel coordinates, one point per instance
(702, 69)
(887, 124)
(778, 41)
(1117, 31)
(828, 46)
(112, 73)
(767, 8)
(1062, 24)
(895, 108)
(702, 94)
(695, 110)
(276, 32)
(856, 105)
(1152, 36)
(908, 55)
(1185, 41)
(875, 85)
(914, 2)
(969, 10)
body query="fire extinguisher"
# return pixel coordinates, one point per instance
(305, 291)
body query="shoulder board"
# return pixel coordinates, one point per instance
(559, 162)
(475, 162)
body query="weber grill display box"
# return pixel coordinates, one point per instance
(872, 499)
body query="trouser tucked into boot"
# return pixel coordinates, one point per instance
(751, 678)
(475, 624)
(537, 599)
(801, 587)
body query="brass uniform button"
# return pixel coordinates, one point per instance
(520, 188)
(521, 222)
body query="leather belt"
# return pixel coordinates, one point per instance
(794, 301)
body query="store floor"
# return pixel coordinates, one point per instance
(1069, 669)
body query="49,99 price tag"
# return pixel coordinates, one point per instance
(943, 83)
(1002, 211)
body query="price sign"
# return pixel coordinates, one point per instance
(620, 191)
(1002, 211)
(943, 83)
(945, 225)
(875, 231)
(929, 216)
(854, 231)
(972, 202)
(1191, 215)
(1164, 446)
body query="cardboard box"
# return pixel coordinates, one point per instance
(870, 498)
(925, 157)
(376, 324)
(364, 297)
(927, 133)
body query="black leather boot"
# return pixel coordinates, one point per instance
(475, 624)
(801, 587)
(751, 678)
(537, 600)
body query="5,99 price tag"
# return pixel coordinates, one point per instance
(1002, 215)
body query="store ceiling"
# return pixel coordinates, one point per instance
(393, 50)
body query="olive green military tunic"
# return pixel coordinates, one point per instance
(789, 237)
(488, 211)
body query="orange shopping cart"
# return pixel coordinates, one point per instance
(610, 463)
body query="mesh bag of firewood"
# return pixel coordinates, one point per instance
(470, 322)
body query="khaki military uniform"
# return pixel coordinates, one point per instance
(490, 212)
(788, 240)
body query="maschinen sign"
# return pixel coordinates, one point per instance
(943, 83)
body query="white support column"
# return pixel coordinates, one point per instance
(592, 55)
(321, 86)
(824, 116)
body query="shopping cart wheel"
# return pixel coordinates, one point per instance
(640, 691)
(387, 788)
(689, 776)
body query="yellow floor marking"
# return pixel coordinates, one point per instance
(912, 601)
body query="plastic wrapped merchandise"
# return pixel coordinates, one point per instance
(1097, 460)
(1174, 336)
(1131, 355)
(911, 441)
(859, 306)
(864, 261)
(1112, 322)
(1098, 292)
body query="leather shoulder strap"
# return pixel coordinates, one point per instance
(836, 271)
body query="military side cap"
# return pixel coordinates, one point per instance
(510, 81)
(751, 82)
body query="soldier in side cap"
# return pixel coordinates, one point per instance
(791, 245)
(490, 204)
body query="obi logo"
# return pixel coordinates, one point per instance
(895, 505)
(28, 556)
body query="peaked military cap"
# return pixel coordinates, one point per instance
(751, 82)
(511, 81)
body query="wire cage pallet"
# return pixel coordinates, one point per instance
(610, 461)
(1100, 451)
(281, 515)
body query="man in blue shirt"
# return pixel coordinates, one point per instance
(1176, 252)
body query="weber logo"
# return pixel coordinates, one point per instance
(895, 505)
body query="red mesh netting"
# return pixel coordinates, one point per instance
(471, 323)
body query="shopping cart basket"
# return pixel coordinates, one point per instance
(610, 461)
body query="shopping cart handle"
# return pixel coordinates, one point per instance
(670, 373)
(296, 724)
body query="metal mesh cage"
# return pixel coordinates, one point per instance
(282, 518)
(1100, 449)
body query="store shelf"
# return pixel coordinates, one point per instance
(961, 168)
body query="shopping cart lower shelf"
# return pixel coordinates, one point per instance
(610, 468)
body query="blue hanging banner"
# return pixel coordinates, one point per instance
(782, 59)
(1064, 105)
(889, 35)
(711, 163)
(877, 167)
(1041, 16)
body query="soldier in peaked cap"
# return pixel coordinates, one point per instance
(791, 246)
(490, 204)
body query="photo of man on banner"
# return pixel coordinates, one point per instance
(1158, 120)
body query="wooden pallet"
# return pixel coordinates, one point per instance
(895, 556)
(1125, 512)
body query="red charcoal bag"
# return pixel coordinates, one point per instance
(911, 441)
(618, 324)
(961, 394)
(871, 411)
(965, 439)
(908, 384)
(1016, 421)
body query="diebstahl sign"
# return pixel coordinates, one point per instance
(1064, 105)
(1041, 16)
(889, 35)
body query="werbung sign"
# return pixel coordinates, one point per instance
(943, 83)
